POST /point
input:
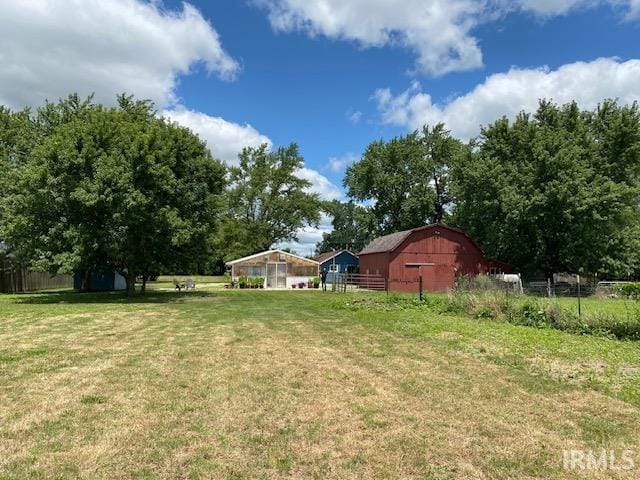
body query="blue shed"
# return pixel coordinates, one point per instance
(339, 261)
(101, 282)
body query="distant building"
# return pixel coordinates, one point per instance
(101, 282)
(278, 268)
(338, 261)
(437, 252)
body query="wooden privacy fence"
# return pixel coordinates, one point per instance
(14, 280)
(359, 281)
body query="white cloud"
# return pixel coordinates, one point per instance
(51, 48)
(225, 139)
(561, 7)
(338, 164)
(439, 32)
(634, 10)
(320, 184)
(508, 93)
(552, 7)
(355, 116)
(308, 237)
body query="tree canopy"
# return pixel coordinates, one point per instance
(557, 190)
(352, 227)
(266, 202)
(114, 189)
(406, 178)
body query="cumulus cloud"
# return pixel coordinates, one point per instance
(562, 7)
(355, 116)
(508, 93)
(634, 10)
(320, 184)
(439, 32)
(225, 139)
(338, 164)
(308, 237)
(51, 48)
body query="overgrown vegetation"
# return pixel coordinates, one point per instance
(629, 290)
(516, 309)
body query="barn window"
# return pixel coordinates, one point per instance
(334, 268)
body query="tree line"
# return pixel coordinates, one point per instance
(88, 188)
(557, 190)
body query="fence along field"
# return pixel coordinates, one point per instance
(20, 281)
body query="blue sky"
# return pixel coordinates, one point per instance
(330, 75)
(296, 88)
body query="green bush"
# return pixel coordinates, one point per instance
(539, 314)
(629, 290)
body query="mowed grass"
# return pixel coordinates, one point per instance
(203, 282)
(268, 384)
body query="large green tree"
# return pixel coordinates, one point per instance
(352, 224)
(406, 179)
(267, 201)
(18, 135)
(555, 191)
(115, 189)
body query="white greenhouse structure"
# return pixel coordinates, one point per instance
(277, 268)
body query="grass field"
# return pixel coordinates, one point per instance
(266, 384)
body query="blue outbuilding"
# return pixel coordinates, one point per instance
(101, 282)
(338, 261)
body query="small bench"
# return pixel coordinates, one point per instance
(177, 285)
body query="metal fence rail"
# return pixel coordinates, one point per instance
(359, 281)
(547, 289)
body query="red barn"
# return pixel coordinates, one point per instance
(439, 252)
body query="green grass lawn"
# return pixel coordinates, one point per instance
(206, 282)
(282, 384)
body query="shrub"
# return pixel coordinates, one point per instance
(468, 283)
(629, 290)
(532, 314)
(538, 314)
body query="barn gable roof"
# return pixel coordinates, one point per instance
(388, 243)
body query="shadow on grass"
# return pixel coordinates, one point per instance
(72, 297)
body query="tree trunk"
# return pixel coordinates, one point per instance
(131, 284)
(85, 281)
(143, 288)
